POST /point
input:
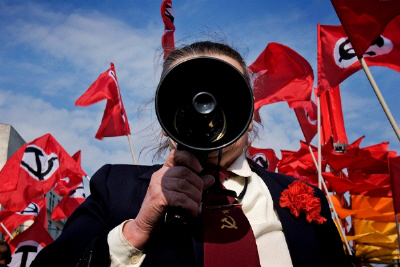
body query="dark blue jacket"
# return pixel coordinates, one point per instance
(117, 193)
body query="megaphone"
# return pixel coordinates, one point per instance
(204, 104)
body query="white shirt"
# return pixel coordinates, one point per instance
(258, 207)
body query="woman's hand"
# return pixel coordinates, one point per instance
(176, 184)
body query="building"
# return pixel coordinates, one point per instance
(10, 142)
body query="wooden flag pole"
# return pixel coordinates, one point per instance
(380, 97)
(319, 140)
(130, 145)
(5, 229)
(320, 178)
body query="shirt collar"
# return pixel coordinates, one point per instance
(241, 167)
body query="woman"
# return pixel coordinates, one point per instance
(122, 223)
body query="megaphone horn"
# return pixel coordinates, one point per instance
(204, 104)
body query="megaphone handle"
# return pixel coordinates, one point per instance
(178, 215)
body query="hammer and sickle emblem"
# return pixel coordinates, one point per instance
(230, 222)
(38, 164)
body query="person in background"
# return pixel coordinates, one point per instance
(5, 254)
(123, 221)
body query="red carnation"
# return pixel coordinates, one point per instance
(299, 197)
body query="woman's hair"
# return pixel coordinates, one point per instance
(204, 48)
(198, 49)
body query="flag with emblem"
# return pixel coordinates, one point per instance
(337, 59)
(265, 157)
(26, 245)
(12, 219)
(365, 20)
(69, 203)
(280, 74)
(115, 121)
(168, 38)
(33, 170)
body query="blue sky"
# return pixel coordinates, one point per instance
(51, 52)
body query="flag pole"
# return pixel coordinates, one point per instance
(10, 235)
(380, 97)
(320, 179)
(319, 140)
(131, 147)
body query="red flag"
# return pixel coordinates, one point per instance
(374, 159)
(26, 245)
(394, 166)
(332, 123)
(115, 121)
(13, 219)
(280, 74)
(365, 20)
(168, 38)
(69, 203)
(337, 60)
(265, 157)
(339, 161)
(33, 170)
(307, 116)
(65, 185)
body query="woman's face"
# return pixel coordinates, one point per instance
(230, 153)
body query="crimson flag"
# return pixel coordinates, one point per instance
(65, 185)
(168, 38)
(306, 114)
(33, 170)
(69, 203)
(332, 123)
(339, 161)
(115, 121)
(280, 74)
(26, 245)
(337, 59)
(265, 157)
(374, 159)
(394, 164)
(13, 219)
(365, 20)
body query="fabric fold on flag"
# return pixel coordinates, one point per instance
(168, 38)
(365, 20)
(69, 203)
(280, 74)
(394, 166)
(65, 185)
(332, 122)
(306, 113)
(114, 121)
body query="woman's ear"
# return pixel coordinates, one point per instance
(164, 133)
